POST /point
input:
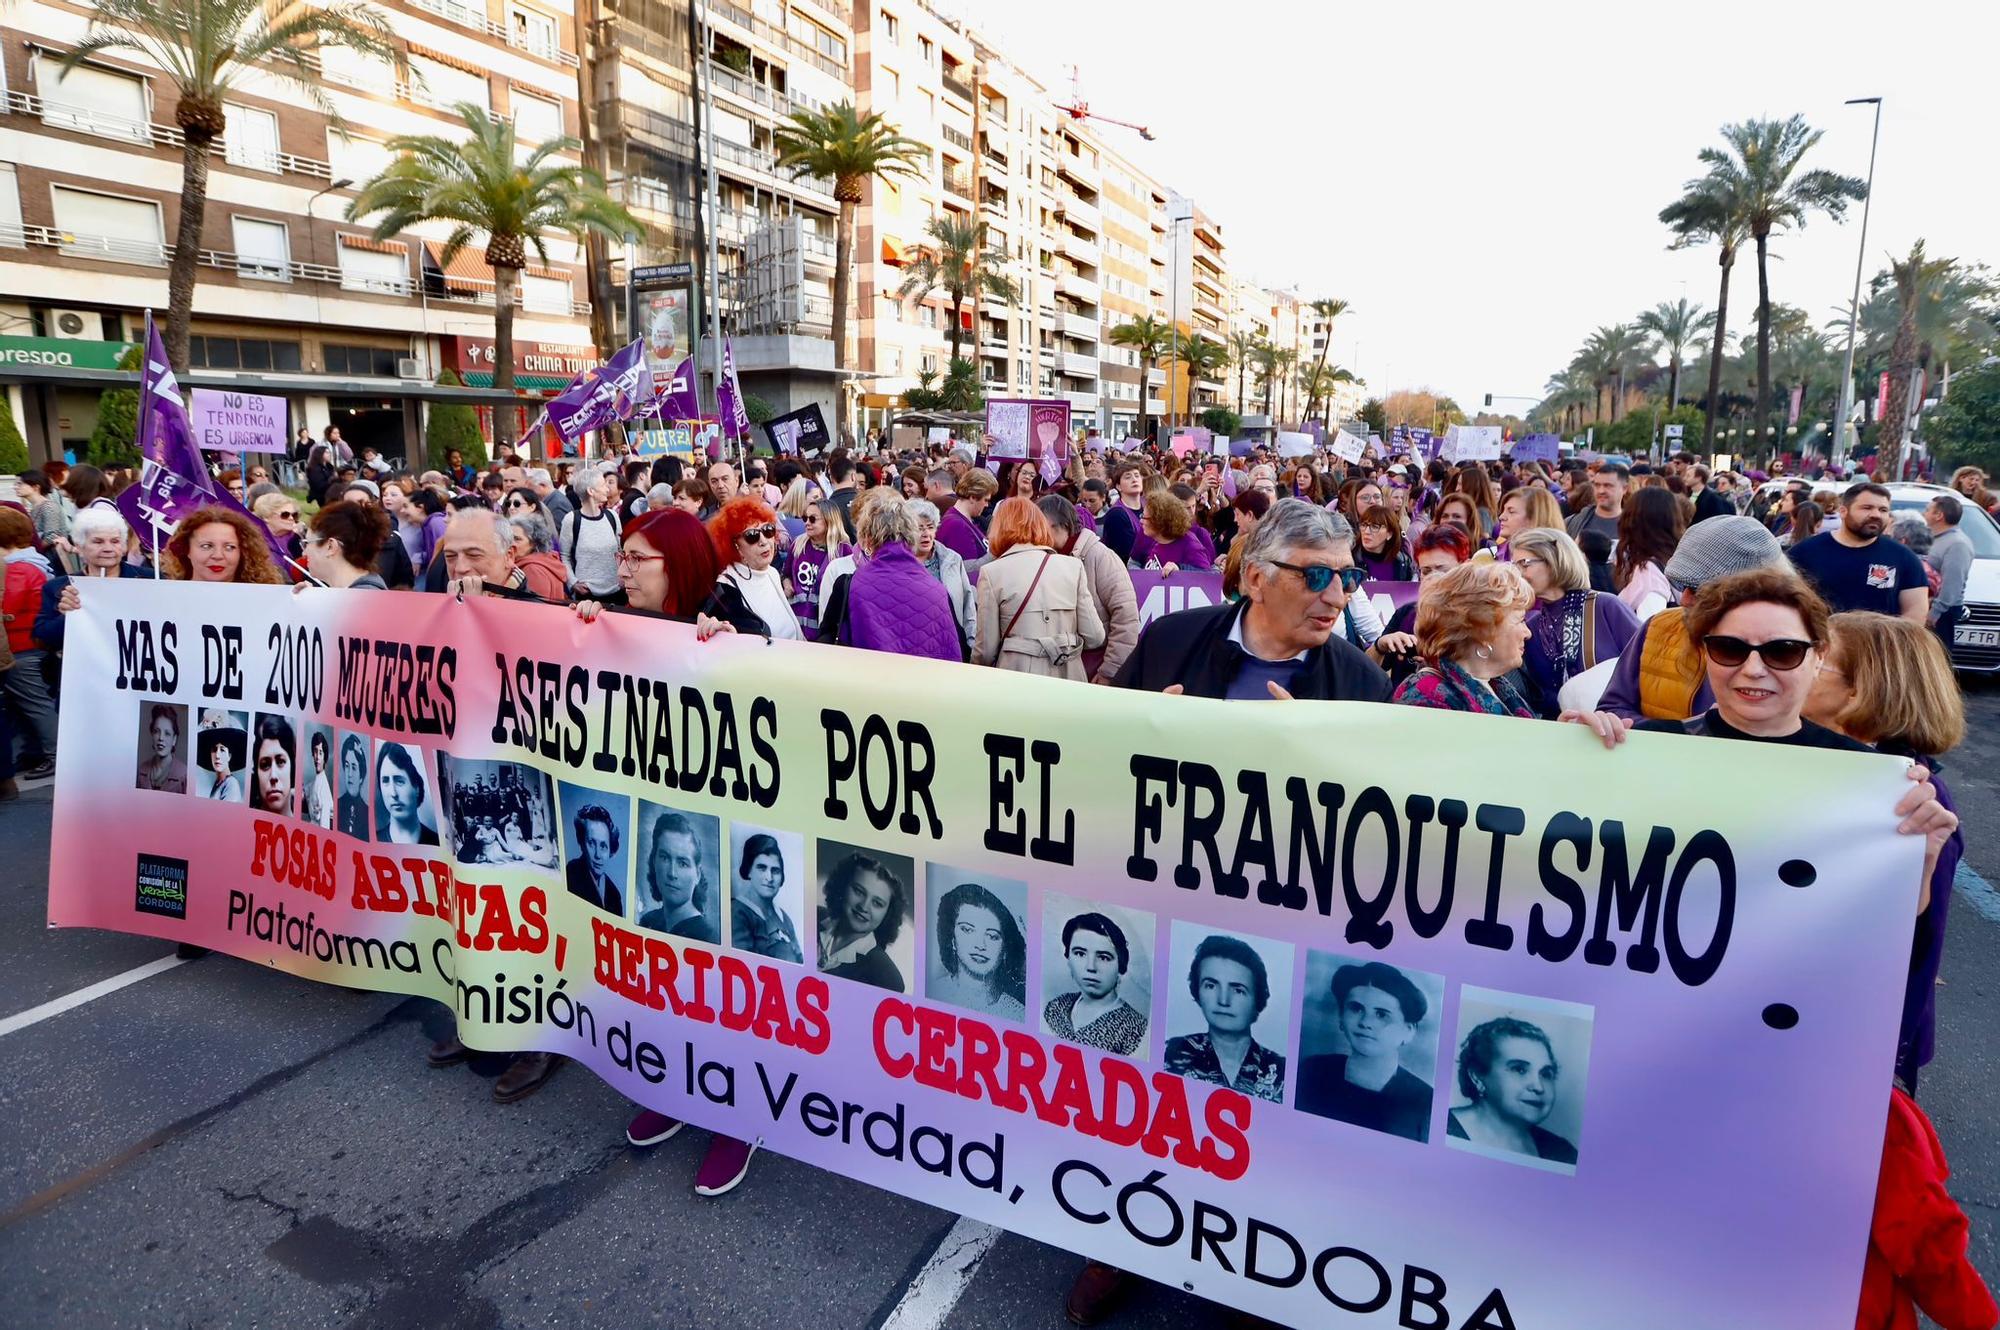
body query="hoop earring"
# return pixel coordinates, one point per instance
(1483, 651)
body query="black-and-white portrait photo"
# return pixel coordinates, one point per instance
(274, 765)
(1521, 1073)
(404, 814)
(1097, 974)
(350, 805)
(768, 891)
(222, 755)
(1229, 1009)
(597, 825)
(500, 813)
(163, 747)
(677, 873)
(318, 780)
(1368, 1046)
(866, 898)
(977, 952)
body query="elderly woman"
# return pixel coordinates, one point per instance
(745, 532)
(279, 512)
(589, 536)
(1168, 538)
(1036, 611)
(945, 567)
(219, 545)
(535, 555)
(1571, 627)
(982, 952)
(889, 601)
(1110, 586)
(100, 537)
(1471, 631)
(1509, 1077)
(342, 545)
(863, 913)
(959, 530)
(1887, 682)
(1378, 546)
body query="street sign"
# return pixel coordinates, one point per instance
(655, 276)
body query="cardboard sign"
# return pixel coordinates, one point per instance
(232, 422)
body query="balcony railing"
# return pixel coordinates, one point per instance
(474, 17)
(958, 182)
(678, 137)
(782, 104)
(956, 138)
(957, 87)
(88, 120)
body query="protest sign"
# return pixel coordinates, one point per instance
(233, 422)
(1713, 990)
(1183, 444)
(1024, 427)
(1471, 443)
(1219, 445)
(1293, 444)
(1347, 447)
(1537, 448)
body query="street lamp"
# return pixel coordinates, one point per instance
(1854, 306)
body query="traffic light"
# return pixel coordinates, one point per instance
(1489, 399)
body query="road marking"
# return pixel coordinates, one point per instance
(70, 1001)
(1978, 892)
(939, 1285)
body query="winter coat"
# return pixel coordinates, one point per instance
(1117, 606)
(894, 604)
(1916, 1243)
(1052, 625)
(547, 577)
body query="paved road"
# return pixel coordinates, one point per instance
(221, 1145)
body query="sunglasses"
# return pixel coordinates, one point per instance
(1318, 577)
(1780, 653)
(289, 515)
(757, 535)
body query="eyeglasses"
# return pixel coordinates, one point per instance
(1318, 577)
(1531, 561)
(757, 535)
(289, 515)
(1373, 526)
(626, 558)
(1780, 653)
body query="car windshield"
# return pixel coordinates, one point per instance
(1973, 522)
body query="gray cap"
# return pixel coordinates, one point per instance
(1721, 546)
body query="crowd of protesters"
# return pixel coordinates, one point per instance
(1614, 596)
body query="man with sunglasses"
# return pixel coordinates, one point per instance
(1283, 638)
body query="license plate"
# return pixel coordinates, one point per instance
(1976, 637)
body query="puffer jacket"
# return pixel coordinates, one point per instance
(894, 604)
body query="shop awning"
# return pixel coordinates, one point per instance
(483, 378)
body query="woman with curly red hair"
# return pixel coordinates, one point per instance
(750, 591)
(218, 545)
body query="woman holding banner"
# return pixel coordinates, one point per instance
(667, 565)
(1471, 632)
(749, 590)
(342, 544)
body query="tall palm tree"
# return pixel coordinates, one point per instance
(1711, 209)
(1284, 360)
(1151, 339)
(208, 50)
(1204, 358)
(852, 149)
(1320, 382)
(1914, 278)
(1328, 308)
(1269, 360)
(1242, 348)
(1568, 393)
(487, 185)
(958, 260)
(1761, 167)
(1607, 356)
(1677, 325)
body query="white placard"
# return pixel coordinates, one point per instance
(1471, 443)
(1347, 447)
(1294, 444)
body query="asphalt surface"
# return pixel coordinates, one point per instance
(223, 1145)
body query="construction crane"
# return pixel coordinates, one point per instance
(1079, 109)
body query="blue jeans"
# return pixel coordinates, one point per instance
(28, 689)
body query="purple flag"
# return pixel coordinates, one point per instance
(729, 396)
(679, 400)
(615, 390)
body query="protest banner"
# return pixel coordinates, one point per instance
(1347, 447)
(1704, 994)
(235, 422)
(1291, 443)
(806, 429)
(1536, 448)
(1471, 443)
(1023, 428)
(729, 396)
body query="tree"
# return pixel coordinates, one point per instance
(1221, 420)
(1242, 349)
(115, 441)
(1677, 325)
(453, 425)
(959, 261)
(1760, 168)
(959, 390)
(1321, 382)
(489, 185)
(1150, 338)
(1964, 429)
(1328, 308)
(1423, 408)
(13, 448)
(208, 51)
(1710, 209)
(852, 149)
(1204, 357)
(1606, 356)
(757, 409)
(1371, 416)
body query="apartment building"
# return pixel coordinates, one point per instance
(774, 230)
(351, 329)
(1134, 286)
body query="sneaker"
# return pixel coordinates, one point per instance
(726, 1164)
(42, 770)
(650, 1128)
(1096, 1292)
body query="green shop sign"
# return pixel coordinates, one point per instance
(60, 352)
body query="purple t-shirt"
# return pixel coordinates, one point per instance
(957, 534)
(1189, 551)
(807, 568)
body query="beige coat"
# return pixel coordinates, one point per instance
(1117, 604)
(1059, 623)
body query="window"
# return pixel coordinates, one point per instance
(439, 84)
(10, 207)
(95, 100)
(263, 249)
(535, 32)
(536, 119)
(251, 138)
(366, 268)
(241, 353)
(545, 295)
(101, 226)
(356, 159)
(891, 29)
(374, 361)
(343, 67)
(892, 83)
(927, 49)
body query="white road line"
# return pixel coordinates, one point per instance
(70, 1001)
(939, 1285)
(1978, 892)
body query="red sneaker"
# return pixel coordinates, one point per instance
(727, 1164)
(650, 1128)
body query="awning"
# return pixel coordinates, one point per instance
(469, 270)
(892, 252)
(483, 378)
(373, 245)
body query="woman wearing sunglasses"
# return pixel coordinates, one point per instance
(1471, 633)
(745, 531)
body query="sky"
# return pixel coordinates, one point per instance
(1482, 182)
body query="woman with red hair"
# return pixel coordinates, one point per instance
(219, 545)
(750, 591)
(1036, 613)
(667, 566)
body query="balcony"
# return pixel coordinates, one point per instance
(1084, 367)
(956, 137)
(1072, 284)
(956, 180)
(474, 17)
(1156, 377)
(677, 138)
(1080, 325)
(1082, 250)
(778, 103)
(957, 87)
(1077, 169)
(87, 120)
(1078, 213)
(1081, 401)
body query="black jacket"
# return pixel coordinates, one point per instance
(394, 565)
(726, 603)
(1192, 648)
(1710, 503)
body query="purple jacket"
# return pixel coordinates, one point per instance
(1191, 551)
(894, 604)
(1914, 1043)
(957, 534)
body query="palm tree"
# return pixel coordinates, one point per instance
(959, 261)
(1284, 360)
(1328, 308)
(1606, 356)
(1914, 278)
(1677, 325)
(1710, 209)
(1204, 358)
(1150, 338)
(208, 50)
(1269, 361)
(1569, 392)
(487, 185)
(1242, 348)
(1760, 167)
(1320, 382)
(852, 149)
